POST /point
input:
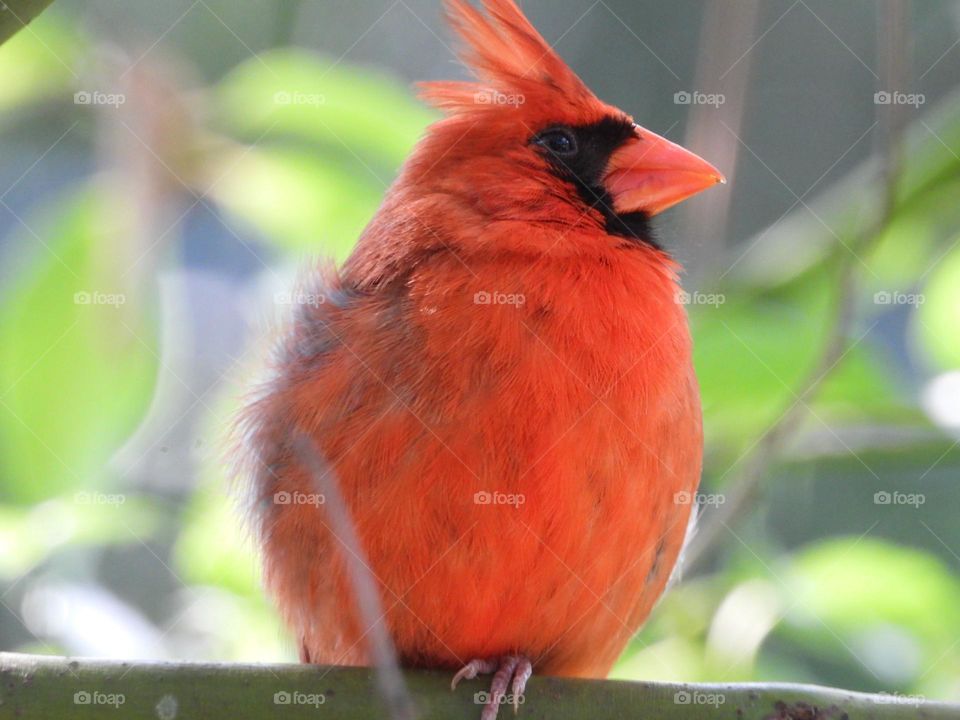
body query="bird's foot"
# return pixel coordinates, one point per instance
(515, 667)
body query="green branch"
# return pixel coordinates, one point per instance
(54, 688)
(15, 14)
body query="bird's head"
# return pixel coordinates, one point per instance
(529, 141)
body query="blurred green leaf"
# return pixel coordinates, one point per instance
(213, 547)
(77, 364)
(861, 389)
(753, 350)
(861, 595)
(925, 213)
(298, 200)
(929, 163)
(938, 319)
(346, 132)
(749, 354)
(855, 582)
(36, 65)
(305, 95)
(901, 254)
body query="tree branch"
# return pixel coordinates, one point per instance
(52, 688)
(15, 14)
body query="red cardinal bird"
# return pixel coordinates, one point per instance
(500, 379)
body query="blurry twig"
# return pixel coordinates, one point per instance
(893, 41)
(287, 14)
(389, 679)
(726, 29)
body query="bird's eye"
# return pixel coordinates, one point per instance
(560, 142)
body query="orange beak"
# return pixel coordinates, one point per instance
(651, 174)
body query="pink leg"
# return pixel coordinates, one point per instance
(507, 668)
(520, 676)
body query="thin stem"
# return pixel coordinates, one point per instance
(893, 41)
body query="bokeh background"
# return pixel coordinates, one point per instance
(166, 167)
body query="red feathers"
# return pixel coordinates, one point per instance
(424, 391)
(513, 63)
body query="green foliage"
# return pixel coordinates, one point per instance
(326, 137)
(938, 320)
(77, 358)
(213, 547)
(341, 108)
(298, 200)
(32, 65)
(296, 152)
(875, 583)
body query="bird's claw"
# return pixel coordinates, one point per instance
(521, 674)
(472, 669)
(510, 670)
